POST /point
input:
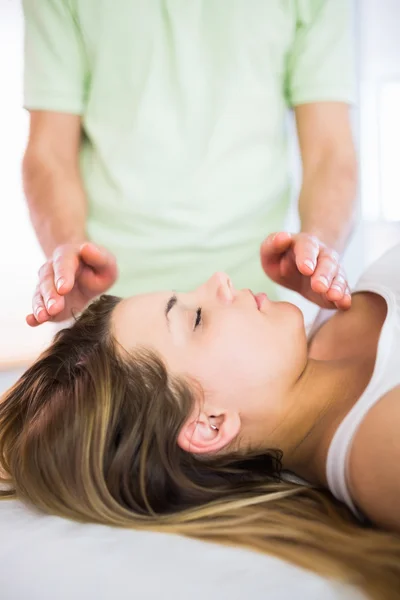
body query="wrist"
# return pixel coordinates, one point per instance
(50, 240)
(335, 240)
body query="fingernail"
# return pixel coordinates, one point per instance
(309, 263)
(37, 313)
(60, 283)
(336, 287)
(51, 303)
(323, 280)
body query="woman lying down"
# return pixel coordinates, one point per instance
(184, 413)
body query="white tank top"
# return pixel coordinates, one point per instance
(383, 278)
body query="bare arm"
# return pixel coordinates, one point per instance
(309, 262)
(327, 198)
(374, 473)
(52, 181)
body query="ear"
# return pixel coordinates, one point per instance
(203, 434)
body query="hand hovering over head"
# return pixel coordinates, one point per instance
(69, 280)
(301, 262)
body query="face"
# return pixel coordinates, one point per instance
(244, 350)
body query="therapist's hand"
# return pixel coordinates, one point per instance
(70, 280)
(304, 264)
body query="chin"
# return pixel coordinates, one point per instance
(294, 313)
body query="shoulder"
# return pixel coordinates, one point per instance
(347, 334)
(374, 463)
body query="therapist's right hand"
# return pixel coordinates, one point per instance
(69, 280)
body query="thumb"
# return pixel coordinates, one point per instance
(275, 245)
(100, 269)
(96, 257)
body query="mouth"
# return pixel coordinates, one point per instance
(259, 299)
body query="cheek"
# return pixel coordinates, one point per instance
(235, 358)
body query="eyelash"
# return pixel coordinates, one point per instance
(198, 318)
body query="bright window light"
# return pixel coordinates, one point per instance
(389, 155)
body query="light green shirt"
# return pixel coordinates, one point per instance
(183, 104)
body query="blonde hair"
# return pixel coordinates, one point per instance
(89, 433)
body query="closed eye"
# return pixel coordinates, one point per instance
(198, 319)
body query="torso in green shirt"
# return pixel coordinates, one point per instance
(183, 105)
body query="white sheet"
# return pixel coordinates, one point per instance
(48, 558)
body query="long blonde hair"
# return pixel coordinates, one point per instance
(89, 433)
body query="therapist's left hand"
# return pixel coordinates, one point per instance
(301, 262)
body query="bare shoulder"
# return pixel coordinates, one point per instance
(348, 334)
(374, 465)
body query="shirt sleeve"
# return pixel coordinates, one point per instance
(55, 73)
(320, 65)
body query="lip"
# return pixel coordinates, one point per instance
(259, 299)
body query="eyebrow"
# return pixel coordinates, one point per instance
(170, 305)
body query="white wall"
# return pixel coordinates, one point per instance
(379, 73)
(20, 255)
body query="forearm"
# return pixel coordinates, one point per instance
(56, 200)
(327, 202)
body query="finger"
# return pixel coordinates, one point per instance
(31, 320)
(99, 270)
(338, 287)
(326, 269)
(40, 313)
(276, 243)
(53, 302)
(345, 302)
(306, 251)
(65, 266)
(95, 256)
(339, 292)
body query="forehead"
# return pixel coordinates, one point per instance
(136, 318)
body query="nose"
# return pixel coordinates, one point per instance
(221, 285)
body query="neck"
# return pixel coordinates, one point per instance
(319, 401)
